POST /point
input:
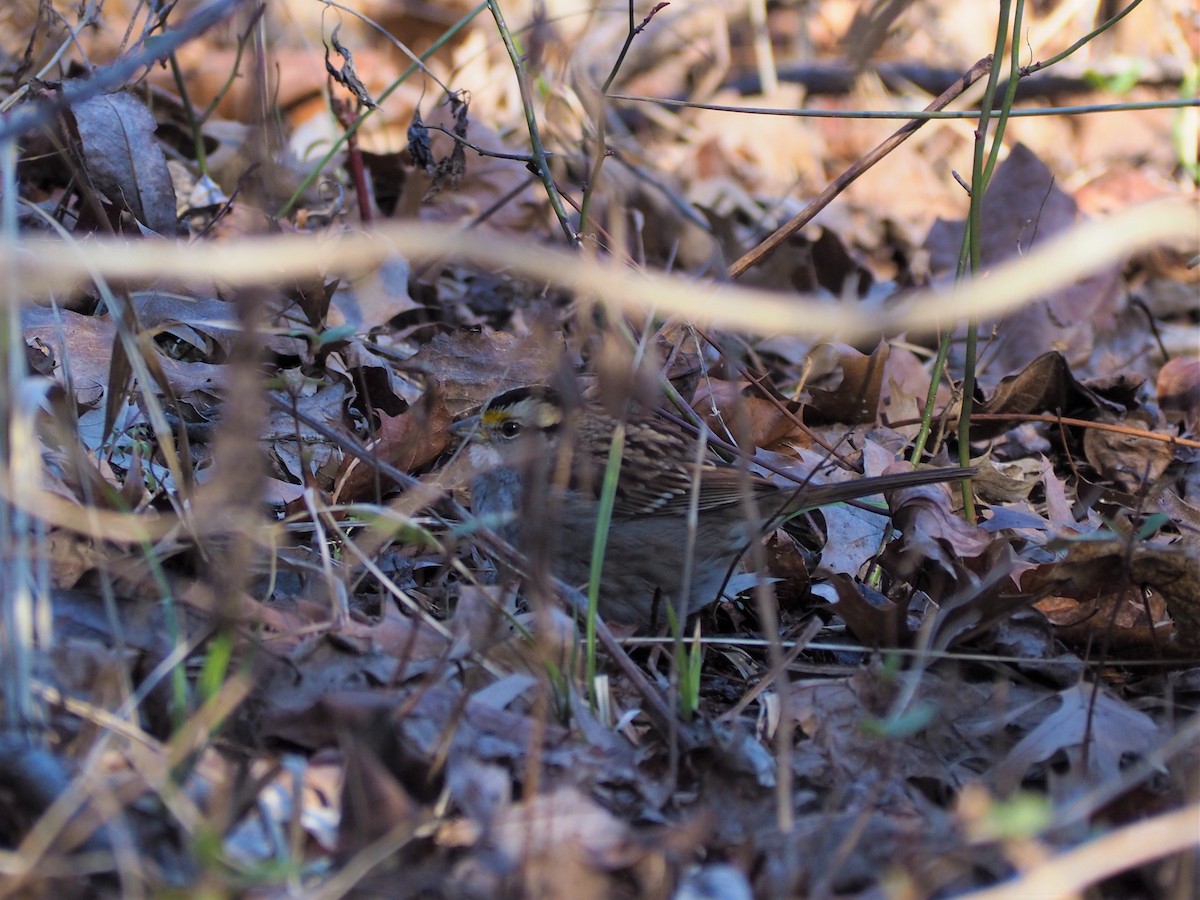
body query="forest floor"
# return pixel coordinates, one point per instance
(259, 257)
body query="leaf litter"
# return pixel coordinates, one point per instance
(308, 676)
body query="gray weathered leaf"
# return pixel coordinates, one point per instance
(127, 165)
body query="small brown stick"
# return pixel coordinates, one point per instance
(768, 246)
(1112, 427)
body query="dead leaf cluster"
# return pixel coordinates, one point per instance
(261, 259)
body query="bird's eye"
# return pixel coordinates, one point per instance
(510, 428)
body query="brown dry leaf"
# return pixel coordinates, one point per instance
(963, 603)
(1121, 187)
(853, 537)
(1045, 385)
(872, 617)
(322, 667)
(1059, 511)
(751, 419)
(883, 772)
(1127, 461)
(434, 712)
(1023, 207)
(1097, 567)
(26, 28)
(1102, 143)
(565, 842)
(787, 269)
(854, 534)
(421, 24)
(784, 559)
(856, 399)
(413, 641)
(481, 616)
(125, 162)
(1120, 615)
(208, 326)
(79, 615)
(484, 616)
(294, 75)
(373, 802)
(931, 533)
(472, 367)
(766, 160)
(408, 441)
(1178, 391)
(89, 351)
(371, 301)
(481, 790)
(905, 388)
(86, 346)
(1088, 724)
(485, 181)
(299, 454)
(70, 557)
(1008, 482)
(316, 789)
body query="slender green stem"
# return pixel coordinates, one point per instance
(608, 496)
(1010, 93)
(1091, 35)
(935, 378)
(195, 122)
(190, 113)
(589, 189)
(540, 163)
(981, 175)
(242, 40)
(971, 257)
(943, 353)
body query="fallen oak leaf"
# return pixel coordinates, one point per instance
(1089, 725)
(1094, 567)
(408, 441)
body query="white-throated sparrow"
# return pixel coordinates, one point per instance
(537, 469)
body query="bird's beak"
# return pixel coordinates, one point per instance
(465, 427)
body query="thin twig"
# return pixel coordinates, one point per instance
(540, 164)
(495, 154)
(839, 184)
(922, 114)
(602, 152)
